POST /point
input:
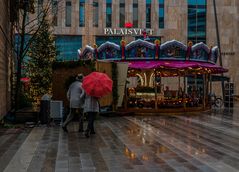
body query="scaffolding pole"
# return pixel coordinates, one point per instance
(219, 45)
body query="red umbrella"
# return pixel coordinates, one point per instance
(97, 84)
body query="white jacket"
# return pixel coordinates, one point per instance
(75, 94)
(91, 104)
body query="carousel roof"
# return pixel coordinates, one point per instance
(141, 54)
(184, 65)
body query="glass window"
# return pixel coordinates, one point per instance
(68, 13)
(95, 13)
(108, 13)
(148, 13)
(122, 13)
(192, 2)
(201, 2)
(82, 13)
(67, 47)
(135, 13)
(197, 10)
(54, 12)
(161, 13)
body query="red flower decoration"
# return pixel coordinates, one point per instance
(128, 25)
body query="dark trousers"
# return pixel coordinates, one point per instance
(73, 112)
(91, 119)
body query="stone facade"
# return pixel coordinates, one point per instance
(175, 25)
(175, 20)
(5, 57)
(228, 23)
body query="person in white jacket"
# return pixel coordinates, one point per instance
(75, 95)
(91, 107)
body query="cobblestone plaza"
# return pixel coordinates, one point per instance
(194, 142)
(205, 140)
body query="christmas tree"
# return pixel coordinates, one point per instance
(42, 54)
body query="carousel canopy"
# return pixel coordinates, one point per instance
(142, 54)
(138, 49)
(178, 65)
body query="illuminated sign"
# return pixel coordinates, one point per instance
(127, 31)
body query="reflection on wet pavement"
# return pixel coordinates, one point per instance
(206, 142)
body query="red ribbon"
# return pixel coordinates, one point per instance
(209, 54)
(96, 53)
(189, 49)
(156, 53)
(123, 54)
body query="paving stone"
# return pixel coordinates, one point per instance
(206, 143)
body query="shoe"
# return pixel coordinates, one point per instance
(92, 132)
(80, 130)
(87, 134)
(65, 129)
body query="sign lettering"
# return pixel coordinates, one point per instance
(127, 31)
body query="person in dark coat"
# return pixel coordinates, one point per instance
(75, 94)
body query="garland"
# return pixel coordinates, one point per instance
(115, 84)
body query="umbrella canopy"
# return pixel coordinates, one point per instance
(97, 84)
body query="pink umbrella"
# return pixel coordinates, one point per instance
(97, 84)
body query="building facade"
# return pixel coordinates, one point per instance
(5, 58)
(228, 21)
(78, 23)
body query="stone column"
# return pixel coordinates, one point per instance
(115, 13)
(142, 13)
(175, 18)
(60, 18)
(88, 38)
(74, 16)
(154, 16)
(129, 17)
(227, 14)
(102, 23)
(129, 11)
(62, 5)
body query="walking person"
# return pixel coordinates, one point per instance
(75, 95)
(91, 107)
(95, 85)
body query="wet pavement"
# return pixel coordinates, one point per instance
(207, 142)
